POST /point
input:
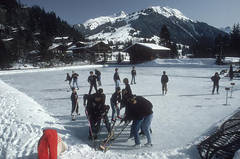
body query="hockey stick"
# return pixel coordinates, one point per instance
(90, 128)
(110, 142)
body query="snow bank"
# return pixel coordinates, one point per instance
(22, 120)
(7, 72)
(180, 62)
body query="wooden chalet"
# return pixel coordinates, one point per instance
(140, 52)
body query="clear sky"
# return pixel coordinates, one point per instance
(218, 13)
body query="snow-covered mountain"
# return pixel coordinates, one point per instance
(146, 23)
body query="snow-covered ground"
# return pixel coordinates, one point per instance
(35, 99)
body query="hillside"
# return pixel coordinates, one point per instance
(147, 23)
(25, 29)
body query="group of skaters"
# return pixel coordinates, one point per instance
(138, 110)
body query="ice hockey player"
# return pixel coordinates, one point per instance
(127, 87)
(116, 78)
(96, 110)
(69, 79)
(164, 81)
(139, 110)
(50, 145)
(74, 99)
(134, 73)
(215, 80)
(115, 103)
(92, 80)
(98, 74)
(75, 79)
(231, 72)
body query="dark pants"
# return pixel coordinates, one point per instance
(215, 85)
(96, 124)
(74, 107)
(133, 79)
(91, 86)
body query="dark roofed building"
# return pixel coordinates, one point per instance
(140, 52)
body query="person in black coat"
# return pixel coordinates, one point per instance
(215, 80)
(92, 80)
(231, 72)
(98, 74)
(75, 79)
(69, 79)
(127, 87)
(74, 99)
(115, 100)
(116, 78)
(96, 110)
(139, 110)
(164, 81)
(133, 73)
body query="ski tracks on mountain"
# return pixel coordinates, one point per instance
(14, 134)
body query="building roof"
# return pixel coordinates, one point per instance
(153, 46)
(150, 45)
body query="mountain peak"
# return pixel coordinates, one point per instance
(169, 12)
(120, 14)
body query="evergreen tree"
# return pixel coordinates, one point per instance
(4, 56)
(165, 36)
(235, 38)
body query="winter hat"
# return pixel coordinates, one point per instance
(125, 80)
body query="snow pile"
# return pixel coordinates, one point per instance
(22, 120)
(231, 60)
(181, 62)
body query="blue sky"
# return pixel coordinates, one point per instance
(218, 13)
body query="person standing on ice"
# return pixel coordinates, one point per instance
(164, 81)
(230, 72)
(127, 87)
(139, 110)
(134, 73)
(115, 101)
(74, 99)
(96, 110)
(92, 80)
(215, 80)
(116, 78)
(98, 74)
(75, 79)
(50, 145)
(69, 79)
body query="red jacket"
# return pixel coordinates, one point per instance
(47, 145)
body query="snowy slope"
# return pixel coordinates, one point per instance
(146, 24)
(181, 118)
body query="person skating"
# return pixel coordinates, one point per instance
(230, 72)
(139, 110)
(92, 80)
(115, 101)
(215, 80)
(97, 110)
(164, 81)
(74, 99)
(116, 78)
(69, 79)
(75, 79)
(98, 74)
(133, 73)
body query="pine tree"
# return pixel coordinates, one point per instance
(4, 56)
(165, 36)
